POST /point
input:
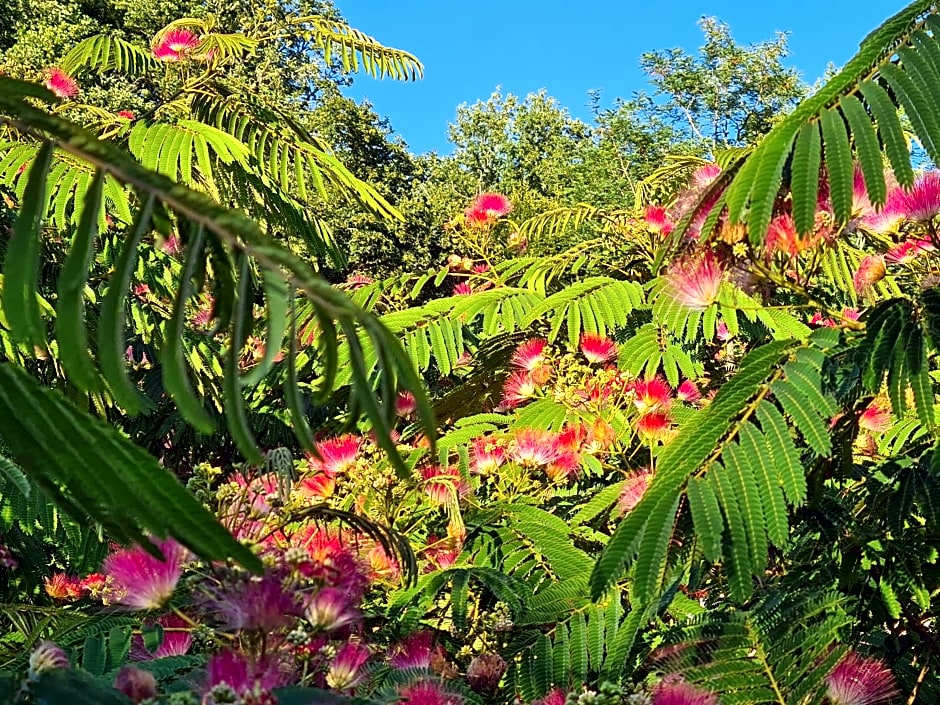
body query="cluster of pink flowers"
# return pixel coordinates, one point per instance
(695, 281)
(60, 83)
(175, 45)
(486, 209)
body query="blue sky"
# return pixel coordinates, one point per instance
(469, 47)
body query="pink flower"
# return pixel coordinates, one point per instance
(485, 455)
(417, 650)
(126, 115)
(634, 487)
(651, 394)
(597, 349)
(175, 45)
(556, 697)
(782, 237)
(427, 692)
(904, 252)
(485, 672)
(46, 657)
(722, 332)
(136, 683)
(487, 208)
(334, 455)
(705, 175)
(922, 202)
(60, 83)
(345, 669)
(443, 485)
(241, 676)
(60, 586)
(405, 403)
(887, 218)
(177, 640)
(688, 392)
(317, 486)
(463, 289)
(533, 447)
(677, 692)
(443, 553)
(565, 466)
(529, 355)
(870, 270)
(254, 603)
(654, 426)
(860, 681)
(358, 280)
(143, 581)
(518, 389)
(695, 281)
(331, 609)
(658, 221)
(876, 418)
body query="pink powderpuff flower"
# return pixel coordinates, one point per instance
(722, 332)
(485, 671)
(382, 566)
(405, 403)
(657, 221)
(654, 426)
(463, 289)
(677, 692)
(143, 581)
(46, 657)
(355, 281)
(694, 282)
(688, 392)
(887, 218)
(529, 355)
(571, 439)
(922, 202)
(443, 553)
(177, 640)
(487, 208)
(334, 455)
(861, 204)
(566, 466)
(317, 486)
(870, 270)
(651, 395)
(346, 667)
(532, 447)
(60, 83)
(518, 389)
(783, 237)
(95, 585)
(876, 418)
(417, 650)
(634, 487)
(256, 603)
(136, 683)
(126, 115)
(556, 697)
(860, 681)
(818, 321)
(597, 349)
(427, 692)
(175, 45)
(62, 587)
(443, 485)
(904, 252)
(232, 673)
(485, 455)
(330, 609)
(705, 175)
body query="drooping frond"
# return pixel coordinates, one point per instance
(854, 117)
(103, 52)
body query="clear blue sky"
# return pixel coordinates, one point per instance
(469, 47)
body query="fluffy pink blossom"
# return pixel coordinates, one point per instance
(870, 270)
(485, 672)
(651, 394)
(126, 115)
(887, 218)
(175, 45)
(688, 392)
(597, 349)
(46, 657)
(722, 332)
(529, 355)
(60, 83)
(695, 281)
(241, 676)
(443, 485)
(60, 586)
(427, 692)
(556, 696)
(255, 603)
(518, 388)
(417, 650)
(658, 221)
(922, 202)
(876, 418)
(177, 640)
(565, 466)
(860, 681)
(533, 447)
(705, 175)
(654, 426)
(334, 455)
(487, 208)
(330, 609)
(904, 252)
(485, 455)
(346, 667)
(136, 683)
(677, 692)
(463, 289)
(141, 580)
(634, 487)
(405, 403)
